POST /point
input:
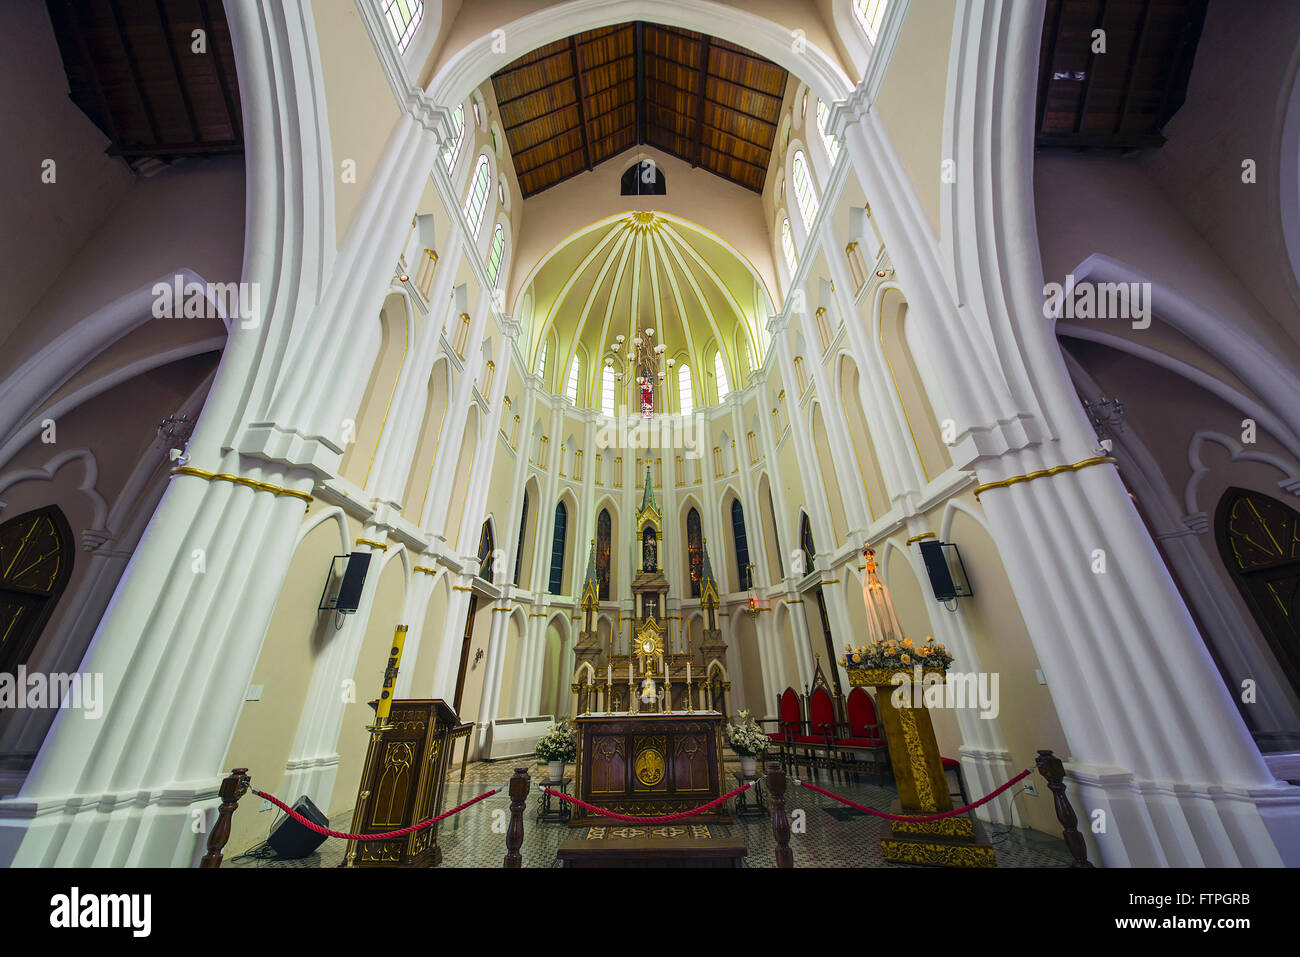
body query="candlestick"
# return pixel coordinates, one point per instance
(390, 676)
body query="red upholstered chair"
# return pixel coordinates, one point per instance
(814, 741)
(861, 736)
(789, 722)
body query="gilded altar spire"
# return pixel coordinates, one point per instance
(648, 496)
(590, 584)
(708, 584)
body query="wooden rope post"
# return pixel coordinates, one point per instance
(232, 789)
(780, 819)
(519, 785)
(1052, 768)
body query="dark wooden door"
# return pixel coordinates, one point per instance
(464, 652)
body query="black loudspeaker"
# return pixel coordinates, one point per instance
(946, 570)
(353, 579)
(290, 839)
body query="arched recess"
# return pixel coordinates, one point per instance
(908, 384)
(864, 449)
(1027, 715)
(296, 641)
(36, 556)
(744, 652)
(693, 550)
(555, 695)
(386, 613)
(437, 630)
(775, 566)
(830, 481)
(789, 661)
(566, 547)
(460, 487)
(385, 342)
(435, 411)
(511, 663)
(738, 555)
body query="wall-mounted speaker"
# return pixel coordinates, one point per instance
(346, 579)
(947, 573)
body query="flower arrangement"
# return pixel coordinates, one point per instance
(745, 737)
(557, 744)
(892, 653)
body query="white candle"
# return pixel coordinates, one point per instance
(688, 672)
(609, 673)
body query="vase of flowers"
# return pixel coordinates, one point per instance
(749, 742)
(557, 747)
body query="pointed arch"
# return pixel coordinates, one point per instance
(36, 556)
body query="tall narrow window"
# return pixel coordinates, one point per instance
(720, 374)
(787, 245)
(523, 530)
(803, 188)
(607, 387)
(403, 19)
(486, 546)
(742, 544)
(870, 13)
(541, 362)
(684, 397)
(831, 143)
(806, 543)
(571, 390)
(36, 555)
(603, 525)
(478, 193)
(694, 551)
(495, 253)
(451, 152)
(557, 549)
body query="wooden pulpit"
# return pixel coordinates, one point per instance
(402, 784)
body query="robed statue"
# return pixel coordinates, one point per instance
(648, 563)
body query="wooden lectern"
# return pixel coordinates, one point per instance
(402, 784)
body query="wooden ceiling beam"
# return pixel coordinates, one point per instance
(1089, 70)
(1048, 62)
(137, 86)
(582, 108)
(176, 70)
(79, 35)
(640, 92)
(502, 104)
(1143, 21)
(232, 109)
(703, 79)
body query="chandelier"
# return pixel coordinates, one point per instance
(646, 359)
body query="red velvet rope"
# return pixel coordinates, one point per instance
(916, 820)
(384, 836)
(659, 819)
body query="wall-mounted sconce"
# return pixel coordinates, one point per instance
(347, 575)
(478, 656)
(947, 572)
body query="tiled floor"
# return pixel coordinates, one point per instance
(833, 836)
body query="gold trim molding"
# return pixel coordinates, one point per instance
(425, 568)
(240, 480)
(1044, 473)
(373, 544)
(919, 538)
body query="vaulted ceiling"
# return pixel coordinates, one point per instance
(1119, 98)
(574, 103)
(133, 69)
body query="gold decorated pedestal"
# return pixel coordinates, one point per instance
(956, 841)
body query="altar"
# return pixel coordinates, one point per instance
(649, 764)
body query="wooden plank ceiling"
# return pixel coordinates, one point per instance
(132, 70)
(571, 105)
(1119, 99)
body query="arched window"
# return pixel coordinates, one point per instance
(1259, 542)
(607, 387)
(743, 573)
(823, 117)
(486, 546)
(557, 549)
(787, 245)
(451, 152)
(870, 13)
(720, 374)
(806, 543)
(684, 398)
(523, 529)
(643, 179)
(35, 562)
(478, 193)
(495, 253)
(694, 551)
(541, 362)
(603, 525)
(803, 188)
(571, 390)
(403, 19)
